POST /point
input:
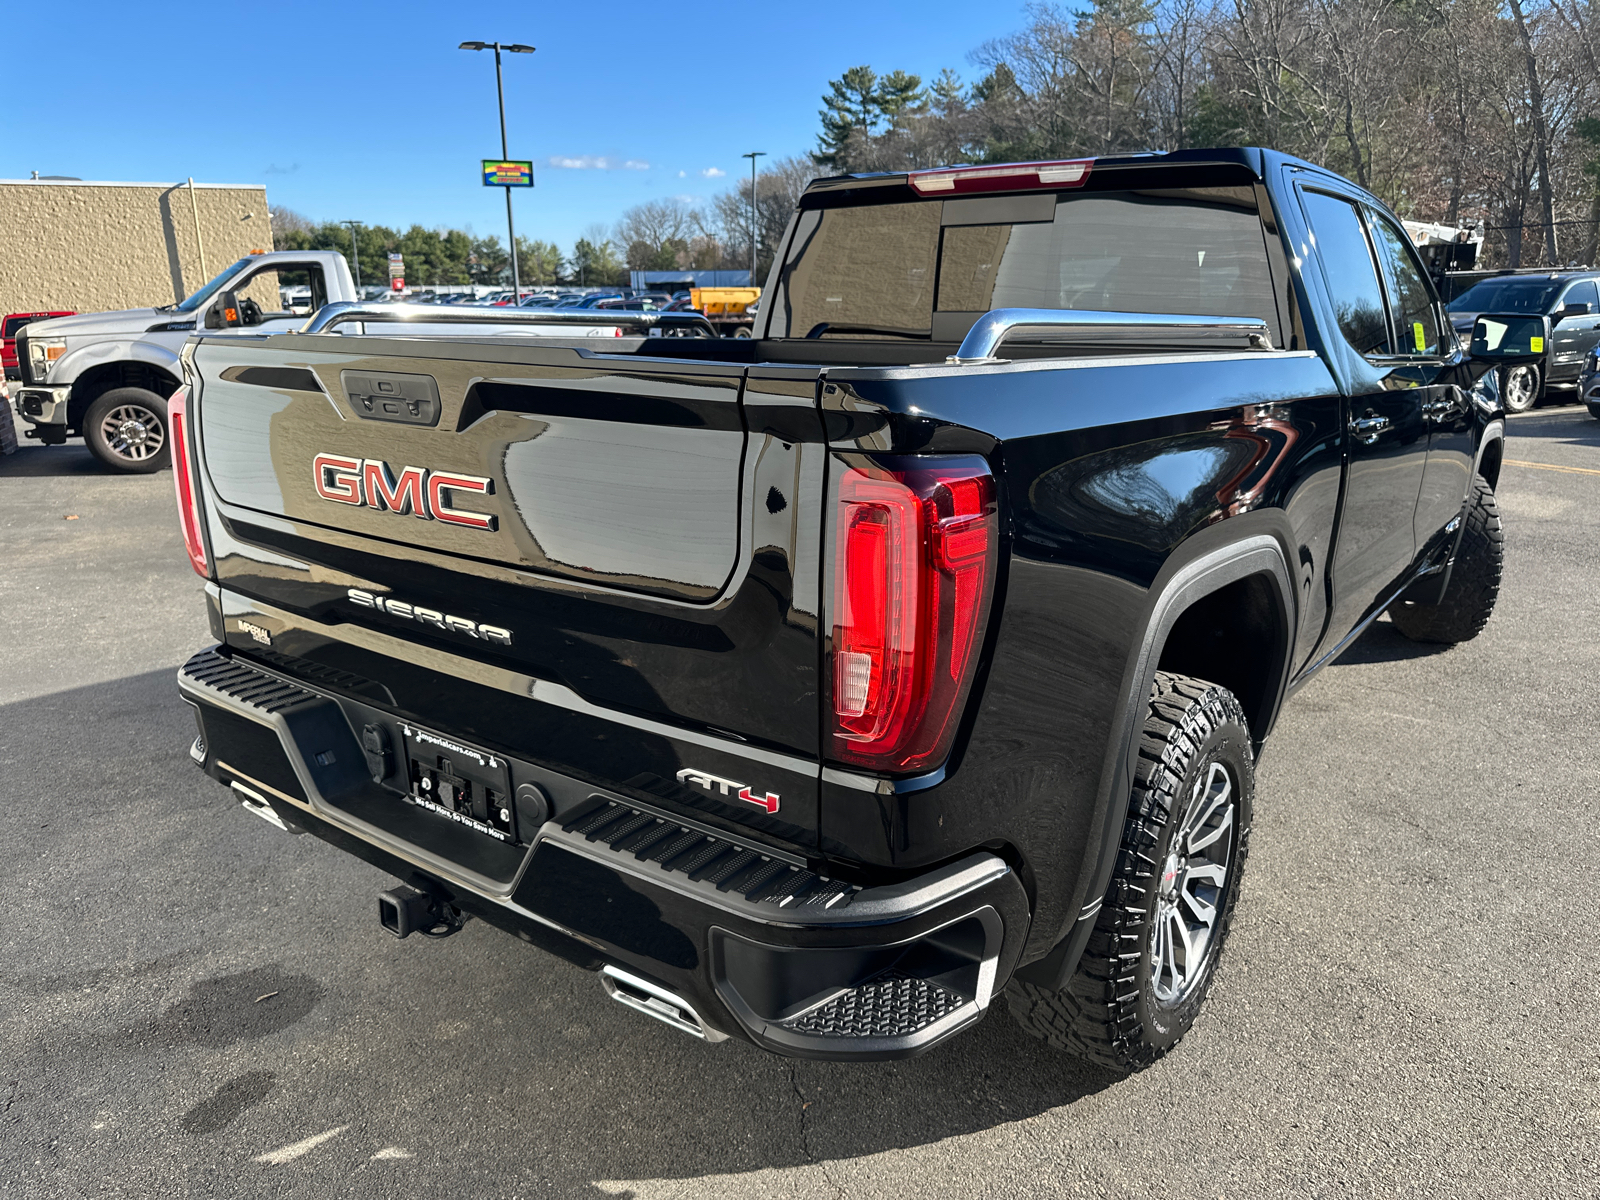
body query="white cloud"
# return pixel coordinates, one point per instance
(713, 172)
(682, 174)
(596, 162)
(687, 199)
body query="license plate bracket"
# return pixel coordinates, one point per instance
(463, 784)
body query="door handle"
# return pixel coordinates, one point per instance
(1439, 408)
(1366, 429)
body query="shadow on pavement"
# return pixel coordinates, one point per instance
(42, 462)
(478, 1040)
(1383, 643)
(1571, 425)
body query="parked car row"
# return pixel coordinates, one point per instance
(1571, 299)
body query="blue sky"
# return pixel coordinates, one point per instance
(369, 112)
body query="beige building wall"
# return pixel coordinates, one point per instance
(93, 247)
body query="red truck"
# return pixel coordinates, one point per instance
(8, 337)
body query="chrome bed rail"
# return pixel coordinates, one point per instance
(993, 328)
(674, 324)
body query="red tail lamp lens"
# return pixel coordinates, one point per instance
(183, 480)
(915, 551)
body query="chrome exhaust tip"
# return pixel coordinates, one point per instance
(655, 1001)
(254, 802)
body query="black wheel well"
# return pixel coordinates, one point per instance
(1489, 464)
(1238, 637)
(96, 381)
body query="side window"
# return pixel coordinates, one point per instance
(1351, 274)
(1582, 292)
(1416, 327)
(296, 288)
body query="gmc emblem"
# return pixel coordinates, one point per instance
(368, 483)
(727, 787)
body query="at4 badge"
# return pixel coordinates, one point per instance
(727, 787)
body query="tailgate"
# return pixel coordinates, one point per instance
(630, 479)
(641, 532)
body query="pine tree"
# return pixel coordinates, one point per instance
(998, 84)
(850, 109)
(900, 95)
(947, 95)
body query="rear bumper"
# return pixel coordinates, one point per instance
(762, 945)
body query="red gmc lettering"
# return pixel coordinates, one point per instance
(419, 492)
(338, 479)
(439, 483)
(402, 497)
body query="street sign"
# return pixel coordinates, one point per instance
(397, 272)
(498, 173)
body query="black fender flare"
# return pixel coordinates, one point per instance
(1244, 546)
(1494, 434)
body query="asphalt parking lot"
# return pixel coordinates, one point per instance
(196, 1004)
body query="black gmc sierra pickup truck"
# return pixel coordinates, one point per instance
(818, 687)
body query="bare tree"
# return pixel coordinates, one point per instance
(1541, 131)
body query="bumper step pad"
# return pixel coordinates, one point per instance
(704, 858)
(246, 683)
(891, 1006)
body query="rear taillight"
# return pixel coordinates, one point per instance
(184, 481)
(914, 564)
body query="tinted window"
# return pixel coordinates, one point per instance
(863, 271)
(1347, 266)
(1582, 292)
(1199, 250)
(1416, 330)
(1507, 295)
(871, 271)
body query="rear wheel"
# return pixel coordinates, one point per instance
(1150, 960)
(1519, 387)
(126, 428)
(1469, 599)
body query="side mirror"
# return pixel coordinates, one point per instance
(229, 309)
(1509, 338)
(1574, 310)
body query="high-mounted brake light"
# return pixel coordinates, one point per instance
(914, 562)
(1011, 177)
(183, 480)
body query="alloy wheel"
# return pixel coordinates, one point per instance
(1521, 389)
(1192, 883)
(133, 432)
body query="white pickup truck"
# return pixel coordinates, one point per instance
(108, 375)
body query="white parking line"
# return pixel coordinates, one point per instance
(393, 1152)
(277, 1158)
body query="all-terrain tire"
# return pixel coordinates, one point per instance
(1110, 1012)
(1474, 586)
(126, 428)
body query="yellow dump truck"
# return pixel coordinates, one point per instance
(727, 308)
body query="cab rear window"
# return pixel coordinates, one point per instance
(929, 269)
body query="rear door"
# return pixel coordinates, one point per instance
(1424, 359)
(1385, 429)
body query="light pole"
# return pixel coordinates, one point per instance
(505, 150)
(752, 156)
(355, 249)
